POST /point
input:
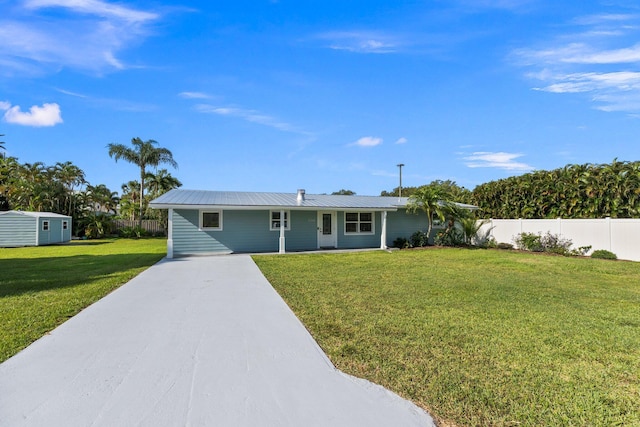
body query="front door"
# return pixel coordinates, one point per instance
(327, 230)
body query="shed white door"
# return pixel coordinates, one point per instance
(327, 230)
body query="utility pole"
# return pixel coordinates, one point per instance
(400, 165)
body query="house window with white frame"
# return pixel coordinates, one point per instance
(358, 223)
(45, 225)
(211, 220)
(65, 225)
(275, 221)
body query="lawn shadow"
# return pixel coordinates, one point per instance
(31, 275)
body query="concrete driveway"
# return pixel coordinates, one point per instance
(202, 341)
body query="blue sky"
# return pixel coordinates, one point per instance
(280, 95)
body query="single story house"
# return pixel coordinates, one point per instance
(18, 228)
(208, 222)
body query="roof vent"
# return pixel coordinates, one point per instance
(300, 197)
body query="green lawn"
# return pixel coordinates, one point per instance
(41, 287)
(478, 337)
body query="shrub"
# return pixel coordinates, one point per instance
(401, 243)
(419, 239)
(603, 254)
(449, 237)
(555, 244)
(133, 232)
(528, 242)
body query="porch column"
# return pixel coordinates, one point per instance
(170, 235)
(383, 233)
(281, 246)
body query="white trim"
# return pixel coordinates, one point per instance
(37, 231)
(48, 222)
(170, 235)
(383, 232)
(284, 216)
(358, 222)
(200, 220)
(287, 219)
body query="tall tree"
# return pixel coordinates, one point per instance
(143, 154)
(432, 200)
(2, 149)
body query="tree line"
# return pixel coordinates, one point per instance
(573, 191)
(62, 188)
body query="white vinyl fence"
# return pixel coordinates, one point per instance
(620, 236)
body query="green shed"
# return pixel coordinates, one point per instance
(18, 228)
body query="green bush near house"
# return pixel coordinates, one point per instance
(478, 338)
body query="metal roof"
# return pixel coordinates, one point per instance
(37, 214)
(178, 198)
(196, 199)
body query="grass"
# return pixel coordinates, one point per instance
(41, 287)
(478, 337)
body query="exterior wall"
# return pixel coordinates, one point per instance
(248, 231)
(403, 224)
(17, 230)
(242, 231)
(619, 236)
(356, 241)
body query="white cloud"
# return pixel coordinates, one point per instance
(95, 7)
(4, 105)
(599, 57)
(193, 95)
(360, 41)
(89, 36)
(499, 160)
(47, 115)
(252, 116)
(368, 141)
(401, 140)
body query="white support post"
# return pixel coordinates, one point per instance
(383, 233)
(170, 235)
(282, 227)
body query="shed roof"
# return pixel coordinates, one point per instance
(179, 198)
(37, 214)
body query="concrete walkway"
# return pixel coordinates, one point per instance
(201, 341)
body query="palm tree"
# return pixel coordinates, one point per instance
(160, 182)
(432, 200)
(143, 154)
(2, 147)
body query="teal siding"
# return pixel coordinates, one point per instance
(357, 241)
(248, 231)
(403, 224)
(242, 231)
(17, 230)
(55, 234)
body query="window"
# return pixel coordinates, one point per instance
(275, 220)
(210, 220)
(65, 225)
(45, 225)
(358, 223)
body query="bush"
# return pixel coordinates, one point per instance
(503, 245)
(419, 239)
(551, 243)
(133, 232)
(449, 237)
(603, 254)
(401, 243)
(528, 242)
